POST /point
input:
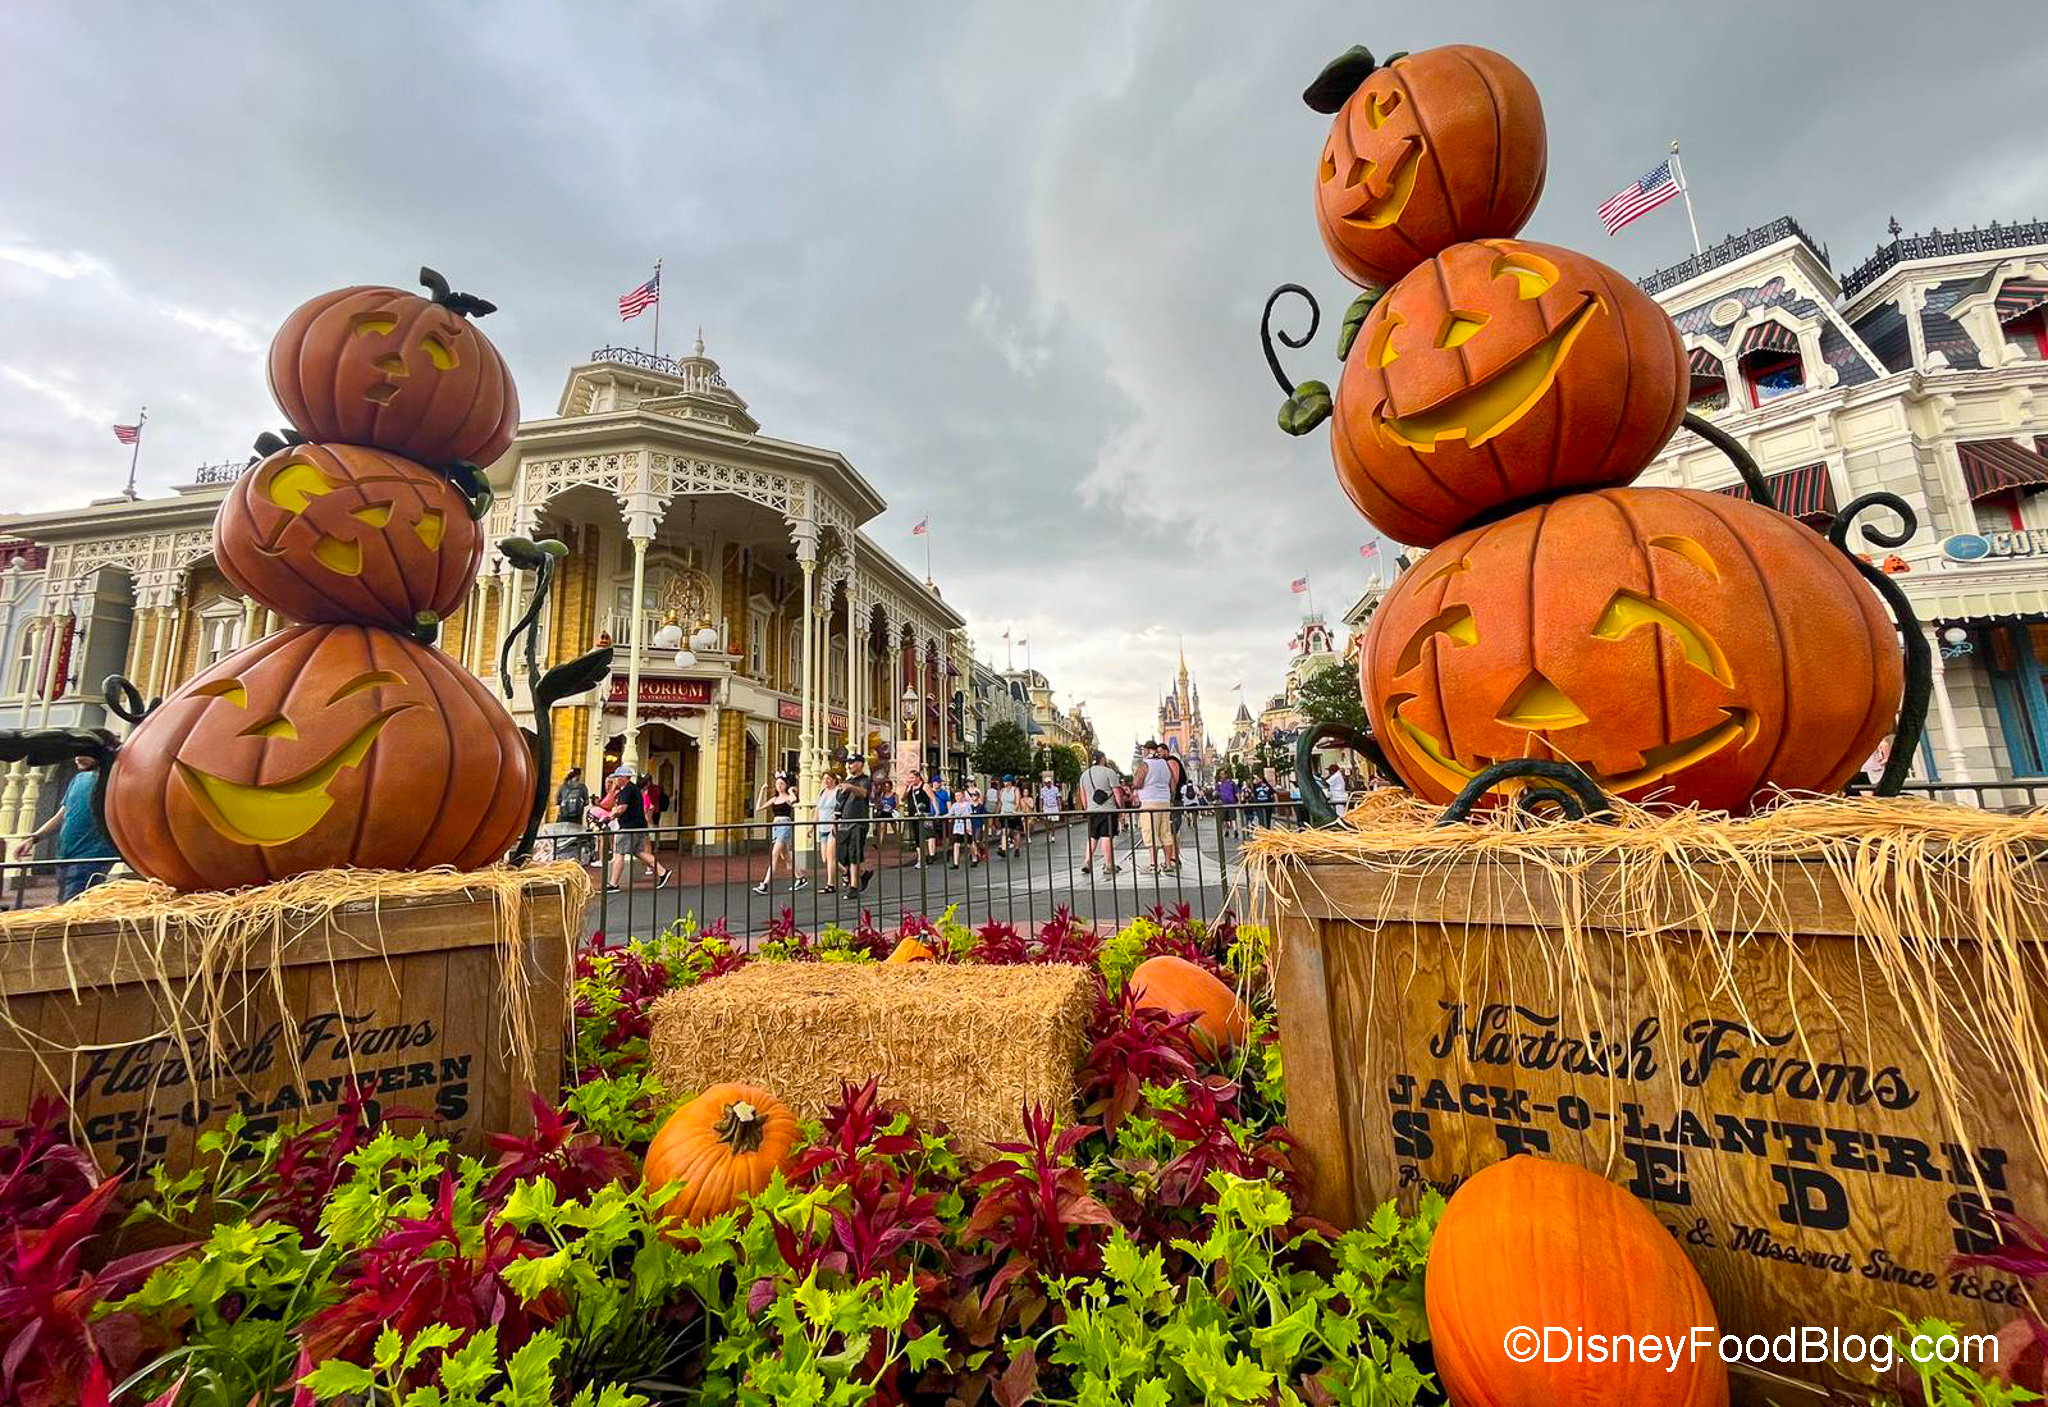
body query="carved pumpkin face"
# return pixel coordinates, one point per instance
(383, 367)
(1679, 646)
(342, 533)
(319, 746)
(1436, 147)
(1502, 372)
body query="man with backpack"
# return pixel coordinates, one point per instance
(1098, 789)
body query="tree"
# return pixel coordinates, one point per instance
(1065, 761)
(1331, 696)
(1004, 751)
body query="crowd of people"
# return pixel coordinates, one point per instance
(963, 825)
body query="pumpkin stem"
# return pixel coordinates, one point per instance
(1340, 78)
(463, 305)
(739, 1127)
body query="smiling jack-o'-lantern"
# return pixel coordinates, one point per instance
(1434, 148)
(1502, 372)
(343, 533)
(383, 367)
(1678, 646)
(315, 747)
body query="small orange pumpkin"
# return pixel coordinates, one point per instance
(723, 1145)
(1530, 1242)
(1175, 985)
(910, 950)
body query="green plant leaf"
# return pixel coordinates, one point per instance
(1307, 408)
(335, 1378)
(1354, 318)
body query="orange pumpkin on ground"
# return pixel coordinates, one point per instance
(723, 1145)
(1433, 148)
(345, 533)
(1531, 1243)
(390, 369)
(316, 747)
(1679, 646)
(910, 950)
(1175, 985)
(1502, 372)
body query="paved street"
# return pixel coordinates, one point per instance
(1024, 889)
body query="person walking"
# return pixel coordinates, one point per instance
(82, 842)
(1337, 788)
(654, 801)
(1098, 788)
(1153, 784)
(1010, 807)
(1226, 800)
(1049, 807)
(850, 844)
(921, 808)
(826, 832)
(1261, 811)
(961, 809)
(778, 799)
(572, 797)
(627, 808)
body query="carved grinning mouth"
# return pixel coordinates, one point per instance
(382, 393)
(278, 814)
(1659, 762)
(1479, 412)
(1379, 212)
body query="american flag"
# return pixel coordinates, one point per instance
(1370, 550)
(632, 305)
(923, 524)
(127, 434)
(1300, 585)
(1639, 197)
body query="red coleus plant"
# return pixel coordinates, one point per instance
(42, 1172)
(559, 1149)
(431, 1270)
(313, 1161)
(2023, 1341)
(1134, 1046)
(50, 1343)
(1035, 1206)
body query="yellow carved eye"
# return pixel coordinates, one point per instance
(1533, 277)
(229, 689)
(439, 353)
(1379, 107)
(1329, 166)
(376, 515)
(1360, 169)
(291, 486)
(364, 681)
(373, 322)
(1382, 352)
(278, 727)
(1629, 612)
(1460, 328)
(430, 528)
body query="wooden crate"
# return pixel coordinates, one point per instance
(1432, 1024)
(403, 994)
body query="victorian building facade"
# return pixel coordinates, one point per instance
(757, 627)
(1923, 373)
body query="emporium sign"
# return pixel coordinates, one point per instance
(663, 691)
(1996, 547)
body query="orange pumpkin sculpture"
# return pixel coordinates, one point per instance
(344, 533)
(1428, 150)
(1502, 372)
(315, 747)
(1530, 1243)
(723, 1145)
(1680, 646)
(910, 950)
(390, 369)
(1175, 985)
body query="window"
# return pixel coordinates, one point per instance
(794, 680)
(220, 632)
(757, 643)
(1771, 375)
(2030, 335)
(1999, 513)
(23, 676)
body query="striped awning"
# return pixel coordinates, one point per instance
(2019, 297)
(1993, 467)
(1768, 337)
(1706, 366)
(1804, 493)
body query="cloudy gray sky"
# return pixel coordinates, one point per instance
(1008, 258)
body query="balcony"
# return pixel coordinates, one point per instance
(224, 473)
(695, 376)
(1728, 251)
(1937, 244)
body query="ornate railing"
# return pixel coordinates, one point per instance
(696, 378)
(1728, 251)
(1940, 244)
(223, 473)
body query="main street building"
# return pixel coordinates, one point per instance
(757, 625)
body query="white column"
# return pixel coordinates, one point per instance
(32, 787)
(1953, 766)
(807, 758)
(852, 675)
(251, 614)
(629, 752)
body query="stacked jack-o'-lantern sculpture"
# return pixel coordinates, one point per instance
(1497, 398)
(346, 739)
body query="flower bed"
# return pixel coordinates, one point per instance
(1140, 1246)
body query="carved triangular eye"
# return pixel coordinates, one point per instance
(1540, 704)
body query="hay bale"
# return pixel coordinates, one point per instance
(968, 1046)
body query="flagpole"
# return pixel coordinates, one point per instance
(1685, 192)
(657, 306)
(135, 452)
